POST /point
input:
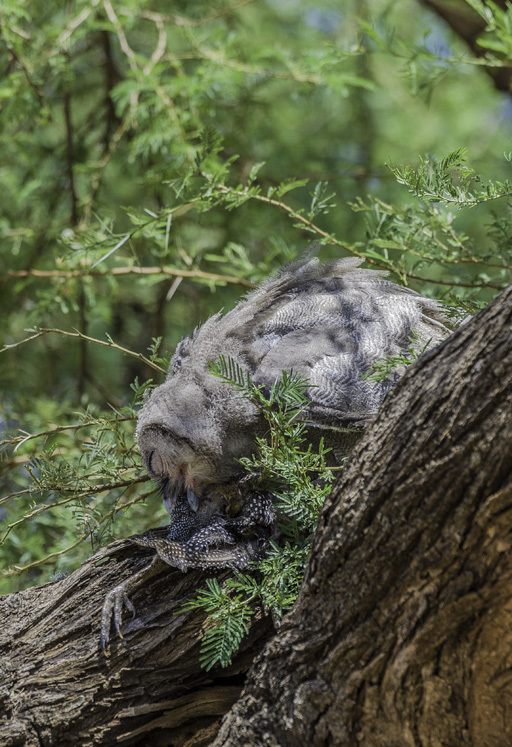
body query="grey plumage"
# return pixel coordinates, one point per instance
(328, 322)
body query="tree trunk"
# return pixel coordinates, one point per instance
(58, 687)
(402, 634)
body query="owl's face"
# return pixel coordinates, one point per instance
(176, 465)
(191, 434)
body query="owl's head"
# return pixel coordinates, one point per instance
(191, 432)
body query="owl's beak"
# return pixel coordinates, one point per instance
(193, 500)
(175, 491)
(183, 486)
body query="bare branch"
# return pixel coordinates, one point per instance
(79, 336)
(172, 271)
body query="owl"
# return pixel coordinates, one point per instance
(328, 323)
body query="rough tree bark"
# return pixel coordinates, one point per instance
(402, 634)
(58, 688)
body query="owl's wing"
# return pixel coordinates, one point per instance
(330, 323)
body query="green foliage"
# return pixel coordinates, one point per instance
(434, 181)
(285, 462)
(280, 406)
(81, 473)
(497, 37)
(410, 238)
(229, 609)
(299, 479)
(157, 162)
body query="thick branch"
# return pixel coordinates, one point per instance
(59, 689)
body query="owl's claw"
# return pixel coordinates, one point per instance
(117, 600)
(113, 613)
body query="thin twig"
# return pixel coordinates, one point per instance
(172, 271)
(69, 158)
(123, 41)
(33, 513)
(76, 492)
(217, 58)
(94, 489)
(179, 20)
(68, 499)
(79, 336)
(347, 247)
(19, 440)
(17, 494)
(17, 570)
(75, 23)
(159, 50)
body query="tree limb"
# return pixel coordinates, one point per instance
(60, 689)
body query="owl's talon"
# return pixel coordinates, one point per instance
(112, 613)
(117, 599)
